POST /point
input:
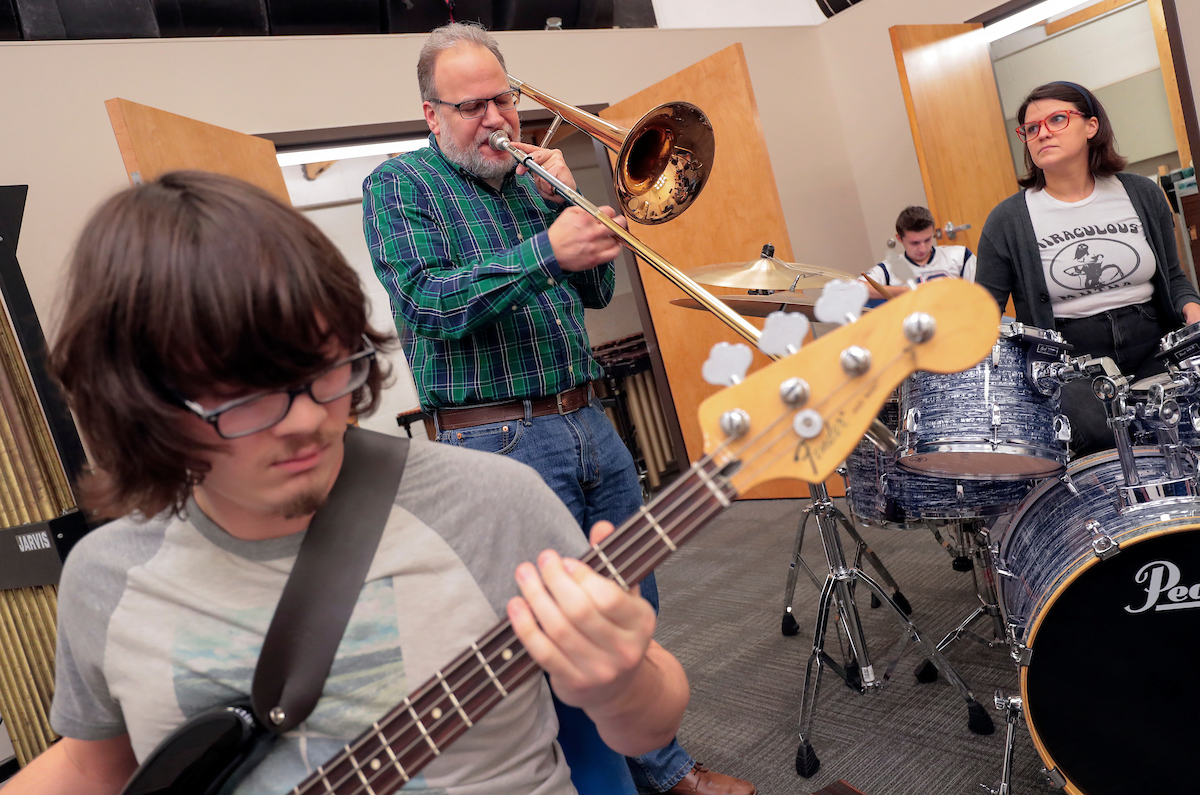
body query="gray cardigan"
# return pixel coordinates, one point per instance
(1010, 264)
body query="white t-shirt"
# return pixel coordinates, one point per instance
(946, 261)
(1094, 252)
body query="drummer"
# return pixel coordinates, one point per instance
(923, 260)
(1085, 249)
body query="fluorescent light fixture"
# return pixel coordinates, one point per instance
(1030, 16)
(302, 156)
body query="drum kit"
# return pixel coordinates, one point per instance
(1088, 571)
(1096, 556)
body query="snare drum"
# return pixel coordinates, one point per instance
(1108, 688)
(986, 423)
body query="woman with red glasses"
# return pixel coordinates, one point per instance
(1085, 249)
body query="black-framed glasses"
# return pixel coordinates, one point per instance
(1055, 122)
(474, 108)
(253, 413)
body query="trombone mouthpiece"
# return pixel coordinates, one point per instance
(498, 140)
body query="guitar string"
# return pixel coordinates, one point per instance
(487, 684)
(505, 626)
(492, 697)
(520, 654)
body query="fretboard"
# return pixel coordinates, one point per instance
(417, 731)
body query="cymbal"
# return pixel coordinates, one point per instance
(758, 305)
(765, 273)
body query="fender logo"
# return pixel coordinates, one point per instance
(1161, 578)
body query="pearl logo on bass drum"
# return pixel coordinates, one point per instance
(1163, 591)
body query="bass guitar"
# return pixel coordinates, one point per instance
(796, 418)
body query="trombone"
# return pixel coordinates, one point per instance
(662, 164)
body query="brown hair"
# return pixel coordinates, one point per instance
(1103, 159)
(193, 282)
(913, 219)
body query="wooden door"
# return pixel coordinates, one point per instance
(957, 125)
(736, 214)
(153, 142)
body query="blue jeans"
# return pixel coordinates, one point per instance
(581, 457)
(1129, 336)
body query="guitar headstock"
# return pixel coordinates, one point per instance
(801, 416)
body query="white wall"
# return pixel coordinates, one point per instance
(748, 13)
(869, 104)
(59, 141)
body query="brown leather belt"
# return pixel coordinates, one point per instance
(563, 403)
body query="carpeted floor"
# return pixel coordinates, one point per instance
(722, 600)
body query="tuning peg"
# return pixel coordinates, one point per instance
(783, 333)
(841, 302)
(727, 363)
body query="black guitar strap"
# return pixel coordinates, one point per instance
(326, 580)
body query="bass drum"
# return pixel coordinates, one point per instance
(1109, 690)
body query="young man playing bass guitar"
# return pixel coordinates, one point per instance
(213, 348)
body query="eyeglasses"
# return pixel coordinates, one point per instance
(254, 413)
(474, 108)
(1055, 122)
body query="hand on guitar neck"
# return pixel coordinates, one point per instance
(595, 640)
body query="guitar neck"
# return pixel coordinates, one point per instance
(417, 731)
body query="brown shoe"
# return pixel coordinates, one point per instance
(702, 781)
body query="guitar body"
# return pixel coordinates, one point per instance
(202, 755)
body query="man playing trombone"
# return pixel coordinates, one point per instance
(489, 272)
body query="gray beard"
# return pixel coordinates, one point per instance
(473, 161)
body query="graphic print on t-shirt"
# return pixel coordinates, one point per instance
(1094, 252)
(366, 680)
(1098, 263)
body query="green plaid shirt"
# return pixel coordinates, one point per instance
(483, 309)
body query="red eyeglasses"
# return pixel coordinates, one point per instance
(1055, 122)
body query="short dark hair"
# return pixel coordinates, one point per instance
(190, 282)
(1103, 158)
(913, 219)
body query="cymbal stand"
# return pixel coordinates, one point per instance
(972, 539)
(862, 549)
(859, 672)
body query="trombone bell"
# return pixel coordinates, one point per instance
(663, 161)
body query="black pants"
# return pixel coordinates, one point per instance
(1129, 336)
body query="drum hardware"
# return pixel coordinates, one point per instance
(1102, 544)
(974, 548)
(862, 549)
(1179, 481)
(1180, 349)
(837, 592)
(1011, 707)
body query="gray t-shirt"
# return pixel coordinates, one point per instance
(161, 619)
